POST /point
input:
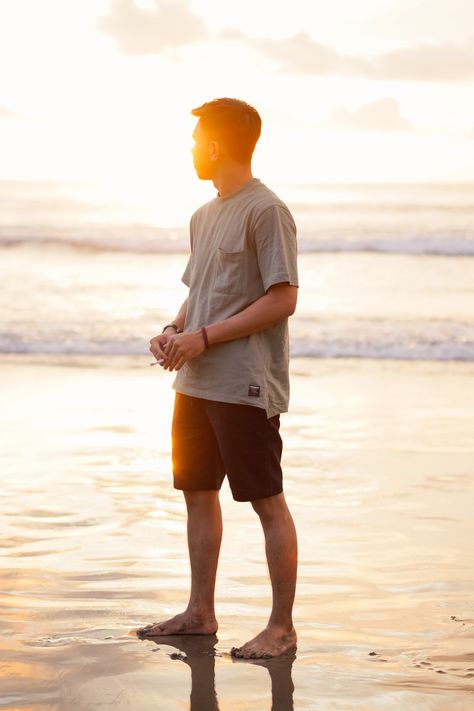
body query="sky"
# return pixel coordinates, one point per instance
(373, 91)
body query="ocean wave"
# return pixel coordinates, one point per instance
(461, 349)
(447, 245)
(341, 348)
(442, 243)
(131, 240)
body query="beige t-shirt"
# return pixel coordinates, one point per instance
(241, 244)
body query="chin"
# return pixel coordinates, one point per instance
(203, 173)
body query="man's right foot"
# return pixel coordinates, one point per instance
(184, 623)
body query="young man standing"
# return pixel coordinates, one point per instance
(229, 346)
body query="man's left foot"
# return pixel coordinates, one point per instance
(272, 642)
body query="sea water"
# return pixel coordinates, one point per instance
(386, 270)
(377, 460)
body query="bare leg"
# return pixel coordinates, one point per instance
(204, 542)
(282, 554)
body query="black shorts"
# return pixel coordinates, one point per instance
(211, 439)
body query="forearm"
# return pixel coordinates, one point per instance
(276, 305)
(271, 308)
(181, 316)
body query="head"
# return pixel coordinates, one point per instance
(226, 133)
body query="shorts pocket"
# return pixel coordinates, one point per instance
(229, 272)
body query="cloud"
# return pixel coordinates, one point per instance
(143, 31)
(380, 115)
(426, 62)
(423, 62)
(8, 114)
(301, 53)
(430, 20)
(170, 23)
(231, 34)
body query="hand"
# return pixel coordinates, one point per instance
(159, 342)
(182, 347)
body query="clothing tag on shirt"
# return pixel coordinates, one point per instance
(254, 390)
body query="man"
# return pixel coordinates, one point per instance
(229, 346)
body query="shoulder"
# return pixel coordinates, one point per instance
(202, 212)
(266, 204)
(271, 224)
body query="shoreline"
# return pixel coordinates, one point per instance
(378, 475)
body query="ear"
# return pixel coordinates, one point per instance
(213, 150)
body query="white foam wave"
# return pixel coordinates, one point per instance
(162, 241)
(340, 348)
(461, 349)
(130, 240)
(448, 245)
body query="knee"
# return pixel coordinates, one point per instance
(201, 499)
(270, 507)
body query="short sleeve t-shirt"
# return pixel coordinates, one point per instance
(241, 245)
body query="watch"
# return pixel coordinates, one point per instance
(172, 325)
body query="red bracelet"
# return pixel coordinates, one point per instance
(204, 335)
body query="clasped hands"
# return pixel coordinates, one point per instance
(173, 350)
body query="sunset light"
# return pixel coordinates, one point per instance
(236, 355)
(101, 91)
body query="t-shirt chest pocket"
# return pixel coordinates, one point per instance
(229, 271)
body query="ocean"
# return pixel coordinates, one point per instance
(386, 270)
(377, 460)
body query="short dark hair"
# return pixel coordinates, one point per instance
(235, 122)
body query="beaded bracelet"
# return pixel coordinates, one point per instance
(204, 335)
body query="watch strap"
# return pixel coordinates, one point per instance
(172, 325)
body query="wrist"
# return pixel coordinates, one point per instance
(173, 327)
(205, 337)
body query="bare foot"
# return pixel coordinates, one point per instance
(184, 623)
(272, 642)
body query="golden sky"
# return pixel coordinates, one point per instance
(373, 90)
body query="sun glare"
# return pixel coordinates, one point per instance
(97, 109)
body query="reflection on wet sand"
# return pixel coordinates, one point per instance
(282, 686)
(199, 653)
(378, 467)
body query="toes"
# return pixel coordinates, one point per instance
(248, 653)
(149, 630)
(145, 628)
(252, 653)
(156, 630)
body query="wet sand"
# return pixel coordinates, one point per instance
(378, 464)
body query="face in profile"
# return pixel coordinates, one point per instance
(202, 151)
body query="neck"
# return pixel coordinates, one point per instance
(228, 179)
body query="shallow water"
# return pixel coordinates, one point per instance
(378, 463)
(362, 305)
(385, 270)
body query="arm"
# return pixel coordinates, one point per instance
(278, 303)
(158, 342)
(181, 317)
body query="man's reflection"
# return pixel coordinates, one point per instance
(199, 653)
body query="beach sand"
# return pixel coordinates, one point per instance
(378, 465)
